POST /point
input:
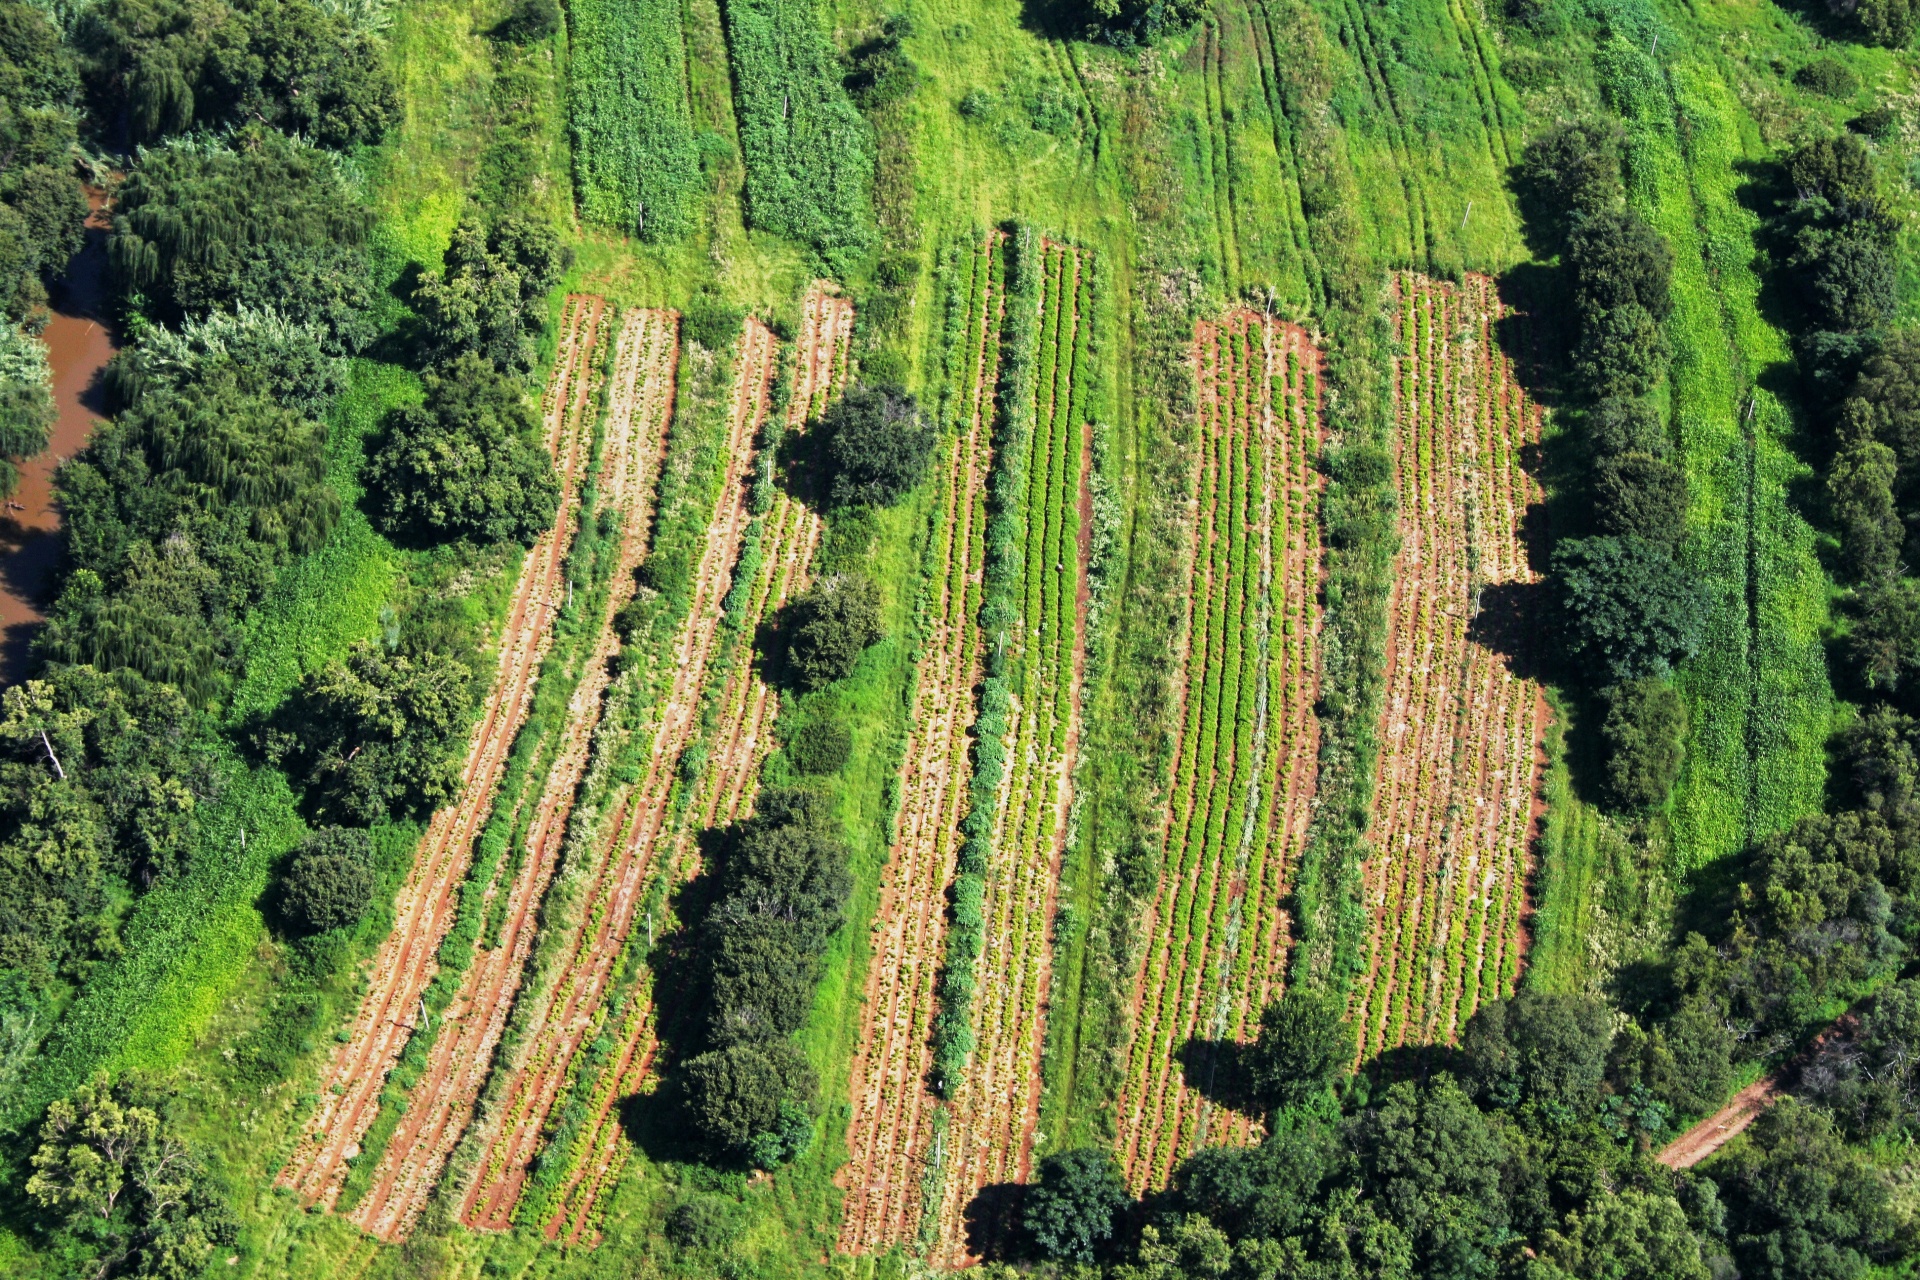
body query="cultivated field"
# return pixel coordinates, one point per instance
(1461, 757)
(1243, 779)
(638, 415)
(894, 1110)
(424, 910)
(563, 1017)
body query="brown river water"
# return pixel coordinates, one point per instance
(79, 344)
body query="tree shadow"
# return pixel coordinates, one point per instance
(1533, 334)
(1410, 1063)
(991, 1222)
(1218, 1071)
(1511, 622)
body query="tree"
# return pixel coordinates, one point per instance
(1845, 267)
(1860, 495)
(1274, 1190)
(1433, 1165)
(485, 301)
(1637, 494)
(1645, 735)
(1635, 1235)
(1305, 1046)
(529, 22)
(1071, 1206)
(1888, 23)
(829, 626)
(26, 402)
(1618, 261)
(735, 1094)
(328, 883)
(1884, 638)
(1836, 168)
(1571, 172)
(1869, 1078)
(1632, 611)
(468, 463)
(1624, 424)
(1549, 1050)
(877, 447)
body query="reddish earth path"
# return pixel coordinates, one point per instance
(424, 908)
(1242, 784)
(565, 1016)
(747, 706)
(639, 415)
(1459, 769)
(893, 1109)
(1707, 1137)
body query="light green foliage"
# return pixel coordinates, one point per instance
(635, 164)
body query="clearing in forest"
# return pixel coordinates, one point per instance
(424, 910)
(1243, 776)
(562, 1018)
(1461, 756)
(893, 1108)
(995, 1111)
(638, 415)
(739, 709)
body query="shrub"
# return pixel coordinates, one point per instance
(711, 321)
(880, 72)
(528, 22)
(328, 883)
(1829, 77)
(821, 747)
(829, 626)
(1645, 734)
(466, 464)
(1071, 1207)
(877, 446)
(1888, 23)
(704, 1221)
(1632, 611)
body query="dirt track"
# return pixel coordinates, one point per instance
(424, 908)
(574, 1009)
(1707, 1137)
(890, 1129)
(639, 414)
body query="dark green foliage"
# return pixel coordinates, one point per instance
(1801, 1205)
(328, 882)
(26, 402)
(1570, 173)
(468, 463)
(877, 446)
(827, 627)
(156, 67)
(1686, 1061)
(1432, 1162)
(41, 206)
(1305, 1046)
(118, 808)
(1844, 263)
(809, 155)
(1829, 77)
(263, 351)
(1071, 1206)
(1631, 611)
(487, 299)
(1621, 352)
(705, 1222)
(1622, 424)
(376, 735)
(1868, 1077)
(192, 215)
(1638, 495)
(1126, 24)
(711, 321)
(1888, 23)
(1860, 496)
(1271, 1190)
(1883, 640)
(1645, 735)
(1619, 261)
(131, 1199)
(822, 747)
(879, 72)
(1537, 1049)
(1837, 169)
(636, 165)
(529, 21)
(53, 210)
(739, 1094)
(326, 287)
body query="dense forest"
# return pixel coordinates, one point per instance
(1134, 640)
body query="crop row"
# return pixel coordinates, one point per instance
(1242, 786)
(894, 1113)
(1461, 759)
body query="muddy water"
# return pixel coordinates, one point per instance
(79, 344)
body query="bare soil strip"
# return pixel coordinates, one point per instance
(747, 708)
(990, 1134)
(1460, 766)
(1722, 1127)
(1243, 775)
(890, 1129)
(574, 1010)
(424, 909)
(639, 415)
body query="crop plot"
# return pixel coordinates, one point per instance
(639, 413)
(1244, 768)
(741, 709)
(893, 1110)
(996, 1105)
(571, 1013)
(424, 909)
(1461, 755)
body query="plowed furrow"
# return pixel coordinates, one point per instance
(639, 414)
(424, 909)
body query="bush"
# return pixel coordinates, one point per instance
(877, 446)
(487, 299)
(1637, 494)
(1645, 734)
(711, 321)
(1828, 77)
(881, 72)
(328, 883)
(705, 1222)
(829, 626)
(1071, 1206)
(528, 22)
(821, 747)
(1632, 611)
(468, 463)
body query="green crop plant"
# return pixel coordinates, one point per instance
(636, 167)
